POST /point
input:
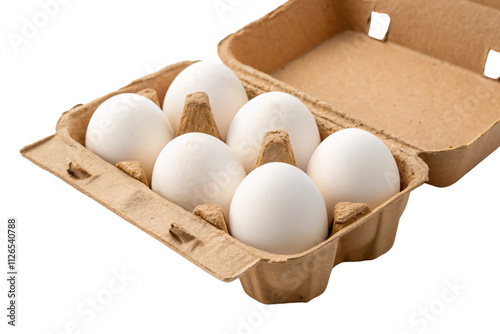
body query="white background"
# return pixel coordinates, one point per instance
(70, 246)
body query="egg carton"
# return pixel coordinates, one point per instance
(412, 89)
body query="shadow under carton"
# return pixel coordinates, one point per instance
(402, 90)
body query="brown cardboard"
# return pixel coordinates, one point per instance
(212, 214)
(424, 87)
(269, 278)
(134, 169)
(490, 3)
(275, 47)
(275, 147)
(197, 116)
(150, 94)
(346, 213)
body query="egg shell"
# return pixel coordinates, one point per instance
(195, 169)
(277, 208)
(225, 93)
(128, 127)
(268, 112)
(353, 165)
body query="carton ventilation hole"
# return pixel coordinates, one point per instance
(181, 235)
(379, 26)
(78, 172)
(492, 66)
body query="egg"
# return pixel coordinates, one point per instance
(268, 112)
(353, 165)
(196, 168)
(277, 208)
(128, 127)
(225, 93)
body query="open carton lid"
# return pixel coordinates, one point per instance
(422, 87)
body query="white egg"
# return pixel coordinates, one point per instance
(273, 111)
(128, 127)
(353, 165)
(277, 208)
(196, 168)
(225, 93)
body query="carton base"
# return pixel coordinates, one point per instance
(269, 278)
(304, 278)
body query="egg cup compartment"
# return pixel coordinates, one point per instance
(267, 277)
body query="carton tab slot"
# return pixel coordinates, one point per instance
(492, 66)
(379, 25)
(78, 172)
(183, 236)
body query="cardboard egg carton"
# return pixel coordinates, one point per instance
(413, 90)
